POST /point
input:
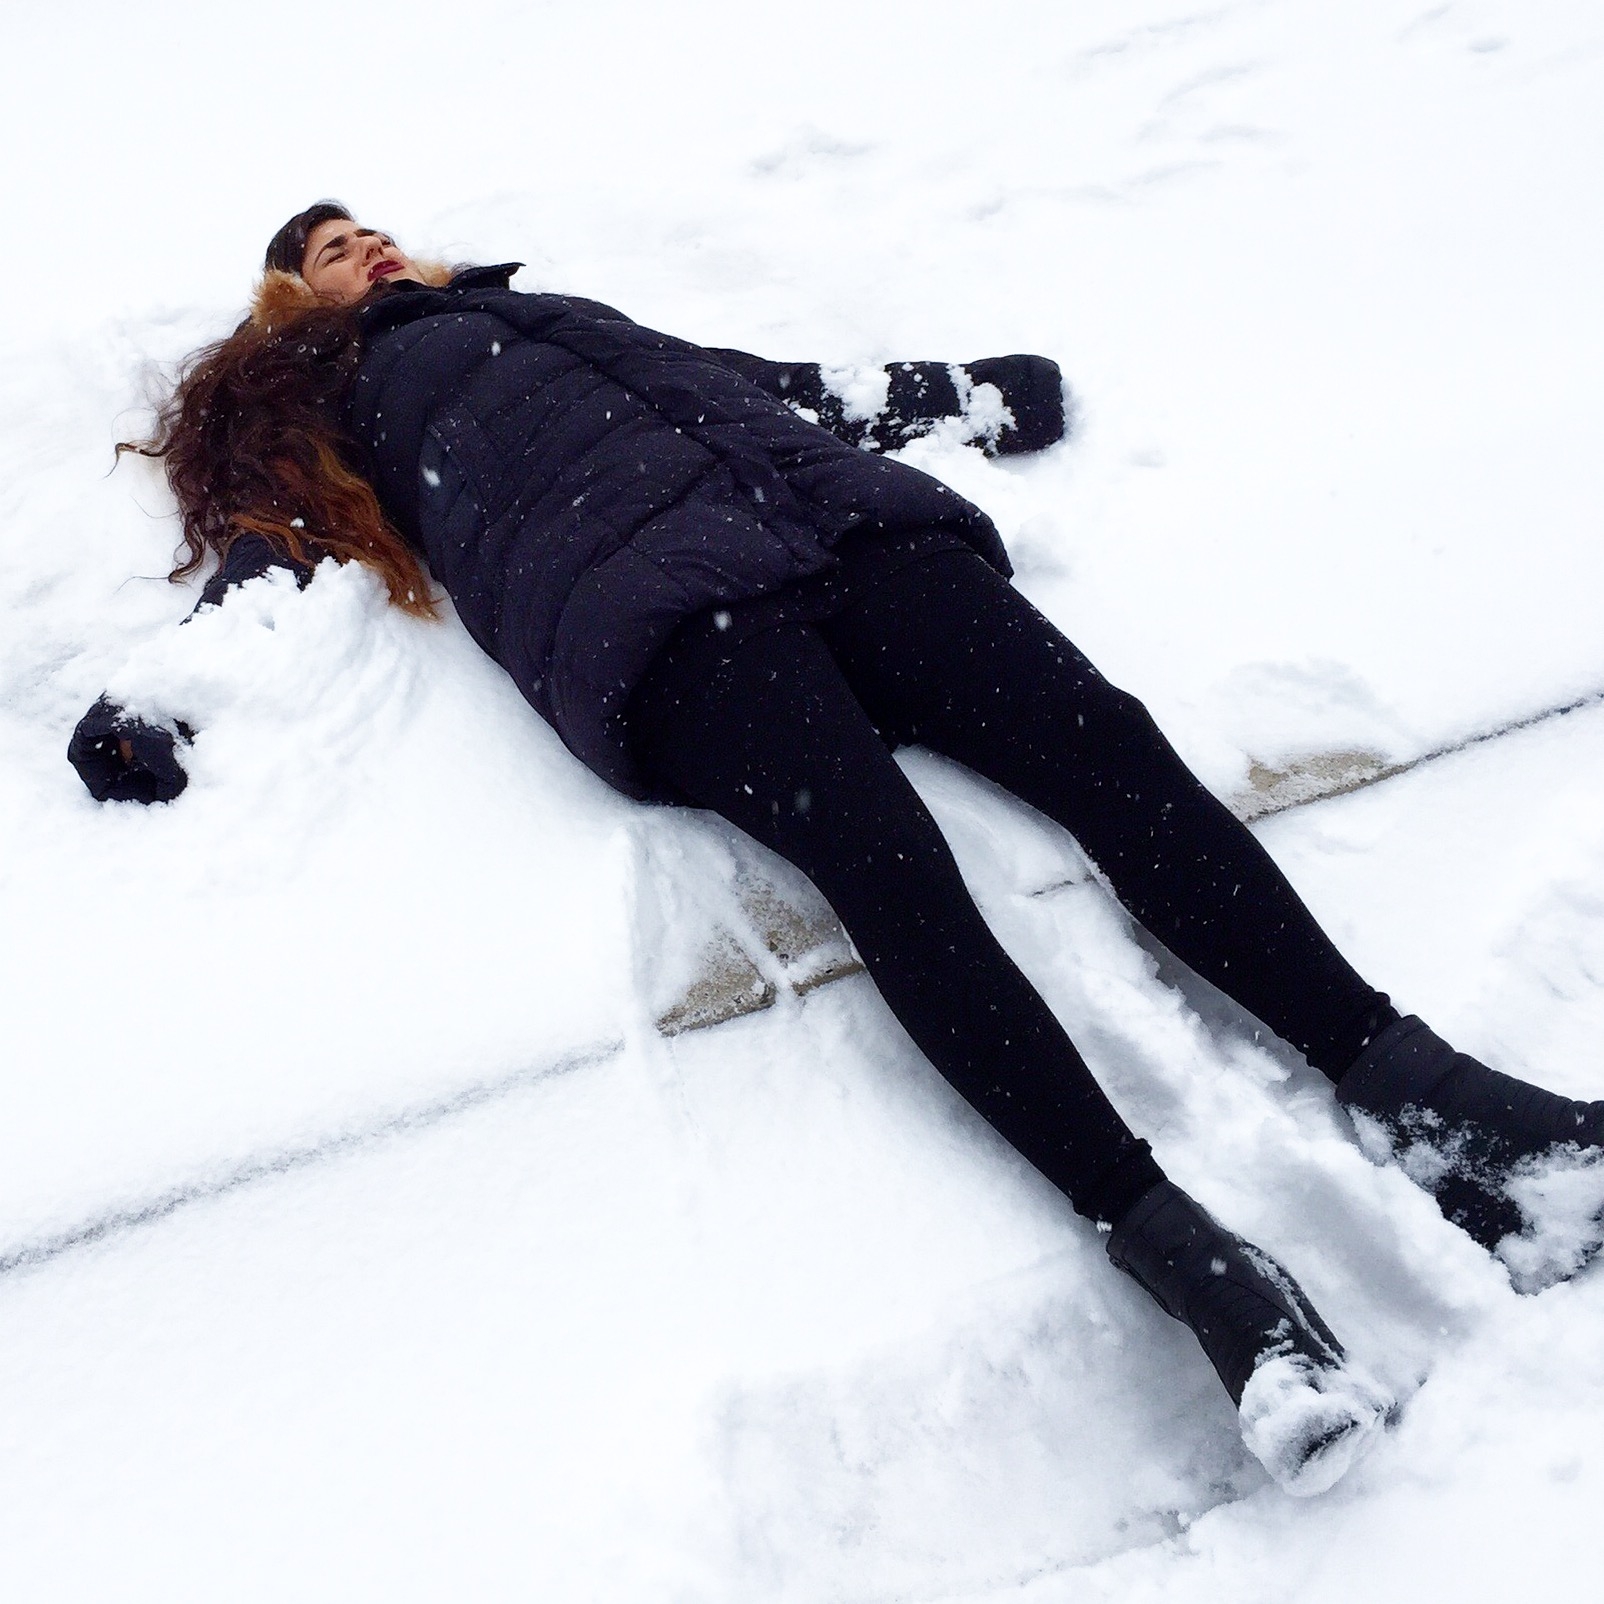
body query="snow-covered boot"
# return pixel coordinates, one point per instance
(1520, 1169)
(1306, 1412)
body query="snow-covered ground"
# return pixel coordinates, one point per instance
(359, 1238)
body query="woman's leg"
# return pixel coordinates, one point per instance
(947, 653)
(766, 732)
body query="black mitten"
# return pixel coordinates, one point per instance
(1033, 390)
(150, 772)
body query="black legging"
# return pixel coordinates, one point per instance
(787, 733)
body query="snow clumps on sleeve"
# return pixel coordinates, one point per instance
(864, 392)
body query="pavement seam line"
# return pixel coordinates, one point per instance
(1391, 771)
(287, 1160)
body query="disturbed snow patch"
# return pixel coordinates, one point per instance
(1561, 1198)
(1036, 1430)
(280, 654)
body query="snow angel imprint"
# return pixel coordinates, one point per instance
(703, 570)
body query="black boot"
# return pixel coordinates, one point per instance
(1518, 1168)
(1306, 1414)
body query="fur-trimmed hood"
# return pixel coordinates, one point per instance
(280, 297)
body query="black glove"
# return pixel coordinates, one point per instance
(1033, 390)
(150, 772)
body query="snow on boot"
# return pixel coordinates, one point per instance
(1520, 1169)
(1306, 1413)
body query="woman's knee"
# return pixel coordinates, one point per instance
(1122, 719)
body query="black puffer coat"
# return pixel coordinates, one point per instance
(580, 484)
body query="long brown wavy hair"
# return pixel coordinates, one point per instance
(251, 440)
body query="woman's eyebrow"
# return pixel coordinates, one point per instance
(342, 240)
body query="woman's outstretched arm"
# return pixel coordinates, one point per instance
(1008, 404)
(123, 758)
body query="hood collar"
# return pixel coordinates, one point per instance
(484, 278)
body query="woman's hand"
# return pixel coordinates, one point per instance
(1033, 390)
(124, 759)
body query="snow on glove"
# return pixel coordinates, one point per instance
(150, 772)
(1033, 391)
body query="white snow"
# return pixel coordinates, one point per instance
(359, 1237)
(1561, 1199)
(862, 391)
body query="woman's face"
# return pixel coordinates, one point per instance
(343, 261)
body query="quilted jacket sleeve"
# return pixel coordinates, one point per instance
(1005, 404)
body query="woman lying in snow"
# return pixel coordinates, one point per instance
(697, 567)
